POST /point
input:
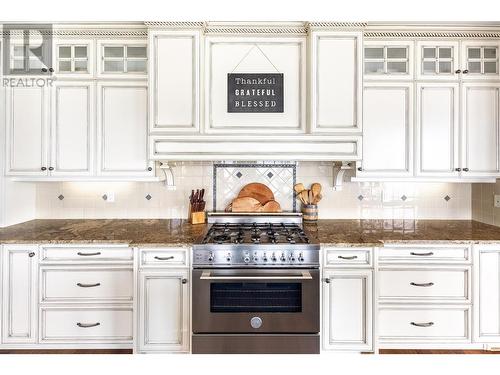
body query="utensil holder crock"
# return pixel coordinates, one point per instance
(310, 212)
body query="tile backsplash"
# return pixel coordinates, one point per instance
(483, 208)
(364, 200)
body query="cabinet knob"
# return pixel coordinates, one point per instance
(44, 70)
(51, 70)
(458, 71)
(327, 280)
(184, 281)
(150, 169)
(360, 169)
(51, 168)
(466, 169)
(465, 71)
(458, 169)
(31, 255)
(43, 168)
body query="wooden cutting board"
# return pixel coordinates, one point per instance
(245, 204)
(258, 191)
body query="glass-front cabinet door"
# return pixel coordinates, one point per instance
(437, 60)
(388, 60)
(480, 59)
(122, 58)
(73, 58)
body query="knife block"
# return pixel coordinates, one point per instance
(198, 217)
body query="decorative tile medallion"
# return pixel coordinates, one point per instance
(60, 197)
(148, 197)
(229, 178)
(447, 198)
(404, 197)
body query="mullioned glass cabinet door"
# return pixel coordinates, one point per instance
(386, 60)
(73, 58)
(480, 59)
(438, 60)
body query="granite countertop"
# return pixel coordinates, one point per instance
(166, 232)
(148, 232)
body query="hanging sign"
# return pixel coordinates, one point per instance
(255, 92)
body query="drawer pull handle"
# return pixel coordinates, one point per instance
(88, 254)
(165, 258)
(430, 253)
(429, 324)
(88, 325)
(348, 258)
(88, 285)
(422, 284)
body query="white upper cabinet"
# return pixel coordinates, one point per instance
(480, 129)
(437, 129)
(27, 113)
(437, 60)
(122, 129)
(388, 60)
(74, 58)
(122, 58)
(174, 81)
(336, 81)
(387, 130)
(480, 59)
(72, 128)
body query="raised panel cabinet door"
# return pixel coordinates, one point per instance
(387, 130)
(122, 129)
(347, 310)
(487, 294)
(480, 128)
(20, 309)
(27, 132)
(164, 311)
(437, 129)
(336, 82)
(72, 128)
(174, 81)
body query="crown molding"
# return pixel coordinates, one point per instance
(256, 28)
(337, 25)
(174, 24)
(432, 34)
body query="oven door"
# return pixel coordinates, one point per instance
(255, 301)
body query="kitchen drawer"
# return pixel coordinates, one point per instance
(423, 254)
(86, 284)
(86, 325)
(413, 324)
(430, 285)
(163, 257)
(348, 257)
(87, 254)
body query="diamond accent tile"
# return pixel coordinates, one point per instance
(104, 197)
(270, 175)
(148, 197)
(239, 174)
(60, 197)
(447, 198)
(360, 197)
(404, 197)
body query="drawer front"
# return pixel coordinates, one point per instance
(426, 324)
(161, 257)
(443, 286)
(87, 285)
(81, 325)
(338, 257)
(459, 254)
(86, 254)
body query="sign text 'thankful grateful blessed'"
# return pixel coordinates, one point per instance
(255, 92)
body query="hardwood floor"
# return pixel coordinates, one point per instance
(398, 351)
(67, 351)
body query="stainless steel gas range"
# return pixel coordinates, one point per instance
(256, 286)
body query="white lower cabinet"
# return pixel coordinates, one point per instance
(347, 299)
(164, 303)
(19, 297)
(487, 290)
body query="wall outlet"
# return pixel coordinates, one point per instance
(110, 197)
(497, 200)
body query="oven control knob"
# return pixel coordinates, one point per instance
(273, 257)
(255, 258)
(256, 322)
(211, 257)
(283, 257)
(264, 257)
(292, 257)
(246, 259)
(301, 257)
(228, 257)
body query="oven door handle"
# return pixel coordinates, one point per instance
(305, 275)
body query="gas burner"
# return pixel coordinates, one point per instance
(221, 238)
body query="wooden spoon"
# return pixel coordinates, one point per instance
(304, 196)
(316, 189)
(299, 188)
